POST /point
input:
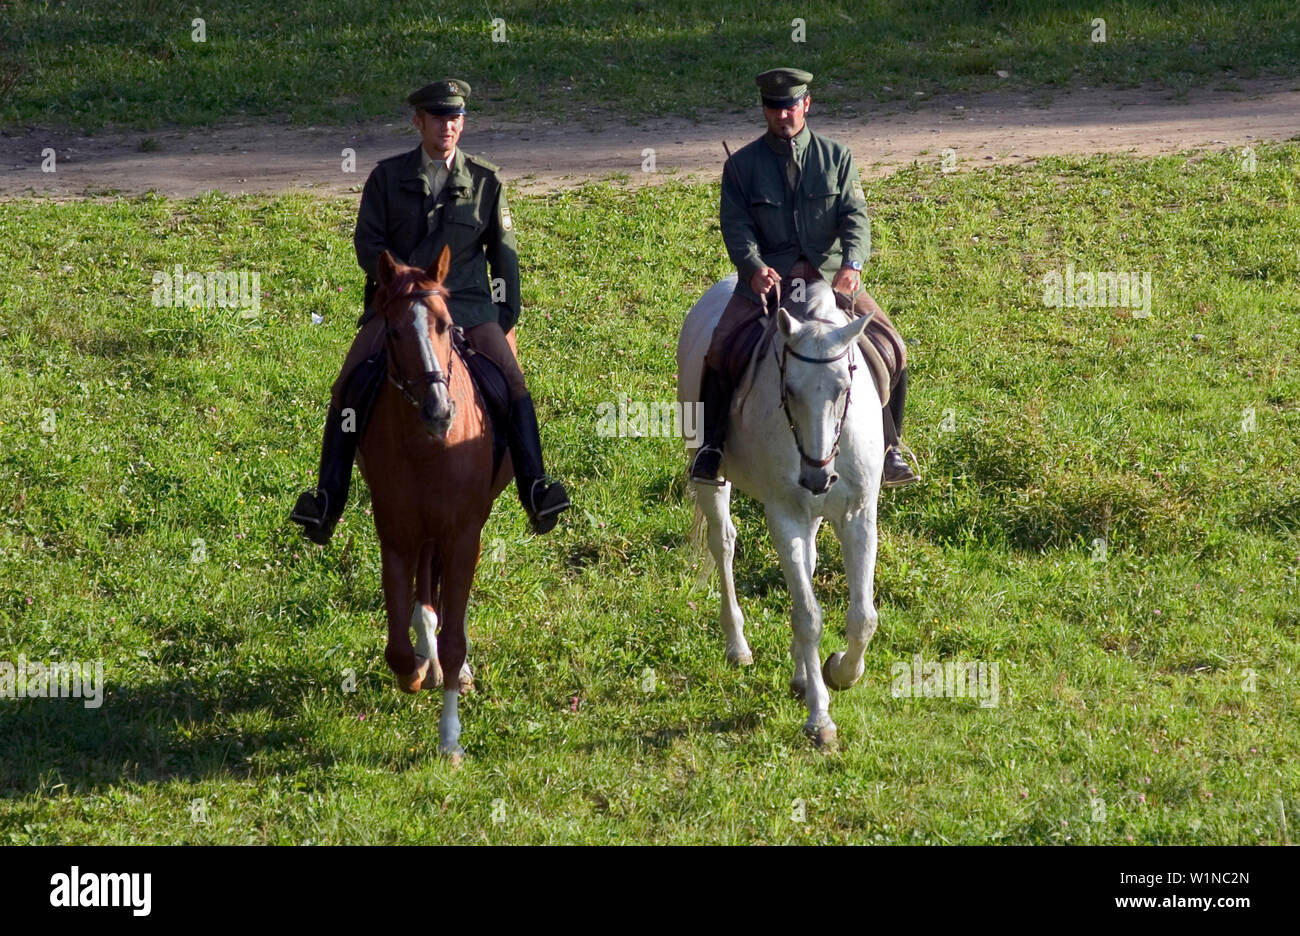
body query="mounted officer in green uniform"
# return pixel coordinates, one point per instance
(413, 205)
(792, 207)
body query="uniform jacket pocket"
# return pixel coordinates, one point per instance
(770, 216)
(462, 224)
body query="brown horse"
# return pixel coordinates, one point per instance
(427, 457)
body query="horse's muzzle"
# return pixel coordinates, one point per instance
(438, 415)
(817, 480)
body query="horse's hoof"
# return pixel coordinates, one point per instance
(413, 682)
(825, 737)
(455, 758)
(740, 659)
(433, 679)
(827, 740)
(830, 666)
(466, 679)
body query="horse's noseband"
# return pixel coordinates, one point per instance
(428, 378)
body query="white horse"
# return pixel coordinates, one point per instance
(805, 440)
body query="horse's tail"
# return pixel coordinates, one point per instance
(700, 554)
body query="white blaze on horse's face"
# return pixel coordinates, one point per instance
(817, 373)
(437, 410)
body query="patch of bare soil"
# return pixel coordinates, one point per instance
(981, 130)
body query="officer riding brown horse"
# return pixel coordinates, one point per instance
(413, 206)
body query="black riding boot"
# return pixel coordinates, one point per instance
(715, 394)
(319, 510)
(897, 471)
(543, 499)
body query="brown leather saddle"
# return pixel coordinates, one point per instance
(881, 344)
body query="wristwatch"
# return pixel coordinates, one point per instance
(854, 265)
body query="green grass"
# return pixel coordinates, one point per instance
(1124, 680)
(134, 63)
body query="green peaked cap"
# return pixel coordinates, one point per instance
(783, 87)
(441, 97)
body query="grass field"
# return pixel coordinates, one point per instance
(144, 525)
(137, 62)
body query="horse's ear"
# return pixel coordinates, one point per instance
(785, 321)
(439, 270)
(387, 268)
(847, 334)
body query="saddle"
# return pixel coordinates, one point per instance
(362, 391)
(881, 345)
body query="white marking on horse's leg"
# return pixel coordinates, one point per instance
(425, 622)
(857, 535)
(449, 723)
(715, 502)
(791, 536)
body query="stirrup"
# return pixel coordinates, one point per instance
(715, 479)
(910, 478)
(544, 518)
(312, 497)
(308, 512)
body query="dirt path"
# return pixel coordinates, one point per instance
(982, 130)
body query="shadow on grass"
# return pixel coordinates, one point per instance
(665, 737)
(151, 734)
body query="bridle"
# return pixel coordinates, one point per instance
(428, 378)
(786, 350)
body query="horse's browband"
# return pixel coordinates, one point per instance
(817, 360)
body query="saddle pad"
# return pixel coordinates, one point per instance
(886, 354)
(740, 350)
(493, 390)
(361, 391)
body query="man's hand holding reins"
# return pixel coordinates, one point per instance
(764, 280)
(847, 280)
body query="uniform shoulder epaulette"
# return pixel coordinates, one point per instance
(480, 161)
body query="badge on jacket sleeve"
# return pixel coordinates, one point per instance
(857, 190)
(506, 223)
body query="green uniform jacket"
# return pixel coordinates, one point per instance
(470, 215)
(765, 223)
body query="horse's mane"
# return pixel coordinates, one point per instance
(818, 305)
